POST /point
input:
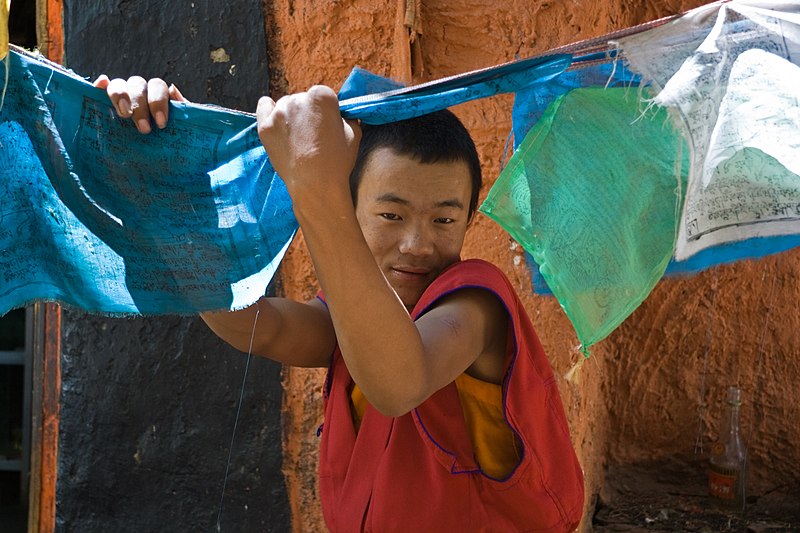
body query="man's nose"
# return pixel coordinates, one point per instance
(417, 240)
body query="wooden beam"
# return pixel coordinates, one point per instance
(51, 408)
(45, 338)
(50, 29)
(46, 403)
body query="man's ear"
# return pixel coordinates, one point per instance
(472, 218)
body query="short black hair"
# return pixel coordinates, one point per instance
(432, 138)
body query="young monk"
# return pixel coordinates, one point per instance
(441, 409)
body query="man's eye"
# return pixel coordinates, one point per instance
(390, 216)
(444, 220)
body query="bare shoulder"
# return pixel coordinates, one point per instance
(476, 316)
(318, 306)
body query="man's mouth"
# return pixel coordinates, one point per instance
(410, 273)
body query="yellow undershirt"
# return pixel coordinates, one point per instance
(494, 443)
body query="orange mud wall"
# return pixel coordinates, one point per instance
(654, 388)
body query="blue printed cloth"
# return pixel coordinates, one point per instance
(96, 215)
(185, 219)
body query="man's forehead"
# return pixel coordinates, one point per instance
(384, 155)
(444, 201)
(418, 182)
(386, 163)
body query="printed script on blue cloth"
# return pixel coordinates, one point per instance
(98, 216)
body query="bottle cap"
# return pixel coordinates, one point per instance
(734, 396)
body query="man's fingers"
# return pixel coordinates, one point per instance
(266, 106)
(322, 93)
(117, 90)
(101, 82)
(175, 94)
(140, 100)
(354, 135)
(158, 101)
(137, 91)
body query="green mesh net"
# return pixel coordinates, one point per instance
(592, 195)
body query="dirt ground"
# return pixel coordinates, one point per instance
(671, 496)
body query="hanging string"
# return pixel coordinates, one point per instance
(701, 408)
(506, 148)
(236, 422)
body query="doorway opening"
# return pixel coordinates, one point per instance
(15, 420)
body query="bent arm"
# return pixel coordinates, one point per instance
(292, 333)
(398, 363)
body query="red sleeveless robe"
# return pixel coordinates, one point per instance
(417, 472)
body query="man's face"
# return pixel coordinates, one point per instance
(414, 217)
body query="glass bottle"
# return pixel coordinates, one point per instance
(726, 476)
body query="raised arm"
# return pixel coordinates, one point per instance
(398, 363)
(294, 333)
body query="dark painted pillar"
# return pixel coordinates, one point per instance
(214, 51)
(148, 404)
